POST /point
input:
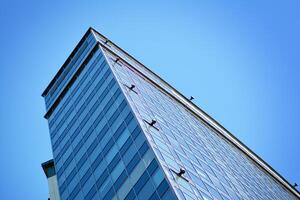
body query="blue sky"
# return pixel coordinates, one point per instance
(239, 59)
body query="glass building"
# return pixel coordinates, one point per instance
(118, 131)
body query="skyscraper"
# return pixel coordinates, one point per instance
(118, 131)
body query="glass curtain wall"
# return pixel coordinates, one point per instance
(214, 168)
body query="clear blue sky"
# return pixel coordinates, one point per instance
(239, 59)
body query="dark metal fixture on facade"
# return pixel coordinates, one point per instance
(181, 172)
(152, 122)
(117, 59)
(132, 87)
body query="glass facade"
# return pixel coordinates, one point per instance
(215, 169)
(100, 151)
(117, 133)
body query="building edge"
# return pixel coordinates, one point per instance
(193, 108)
(137, 119)
(199, 113)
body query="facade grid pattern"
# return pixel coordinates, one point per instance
(99, 149)
(215, 168)
(100, 111)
